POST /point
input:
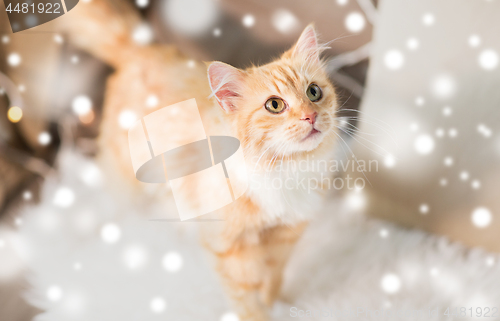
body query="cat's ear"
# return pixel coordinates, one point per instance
(226, 83)
(307, 45)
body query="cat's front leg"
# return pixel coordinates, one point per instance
(251, 267)
(278, 243)
(243, 269)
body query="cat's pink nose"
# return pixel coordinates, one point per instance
(310, 118)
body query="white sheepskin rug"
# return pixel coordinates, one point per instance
(95, 255)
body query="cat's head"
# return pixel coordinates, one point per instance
(285, 107)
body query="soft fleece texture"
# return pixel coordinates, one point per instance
(338, 265)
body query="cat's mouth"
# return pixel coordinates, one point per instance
(313, 133)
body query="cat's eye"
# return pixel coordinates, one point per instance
(314, 93)
(275, 105)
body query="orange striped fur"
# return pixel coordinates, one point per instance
(252, 243)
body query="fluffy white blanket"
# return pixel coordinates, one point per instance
(94, 255)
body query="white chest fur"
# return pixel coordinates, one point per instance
(290, 192)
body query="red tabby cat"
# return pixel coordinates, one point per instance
(282, 112)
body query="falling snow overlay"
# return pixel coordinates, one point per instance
(422, 232)
(109, 254)
(435, 113)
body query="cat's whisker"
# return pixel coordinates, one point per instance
(368, 116)
(368, 121)
(338, 38)
(258, 160)
(353, 130)
(376, 145)
(339, 109)
(359, 119)
(345, 153)
(276, 154)
(354, 156)
(357, 130)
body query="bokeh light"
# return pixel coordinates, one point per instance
(14, 114)
(481, 217)
(390, 283)
(172, 262)
(424, 208)
(389, 161)
(110, 233)
(191, 17)
(142, 34)
(81, 105)
(394, 59)
(126, 119)
(443, 86)
(356, 200)
(229, 316)
(248, 20)
(27, 195)
(14, 59)
(152, 101)
(428, 19)
(447, 111)
(484, 130)
(44, 138)
(58, 39)
(63, 197)
(355, 22)
(91, 175)
(158, 305)
(142, 3)
(31, 20)
(420, 101)
(18, 221)
(453, 132)
(54, 293)
(413, 43)
(424, 144)
(474, 41)
(476, 184)
(284, 21)
(448, 161)
(488, 59)
(384, 233)
(135, 257)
